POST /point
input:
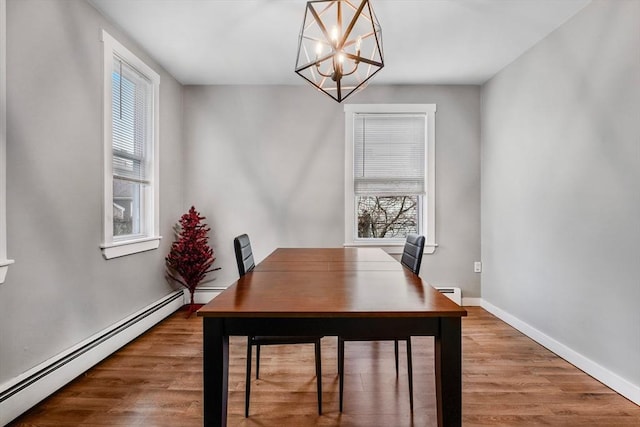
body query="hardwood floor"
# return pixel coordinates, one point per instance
(508, 380)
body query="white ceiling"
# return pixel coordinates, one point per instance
(255, 41)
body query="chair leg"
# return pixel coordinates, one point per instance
(341, 368)
(410, 371)
(247, 387)
(395, 347)
(319, 375)
(258, 361)
(338, 346)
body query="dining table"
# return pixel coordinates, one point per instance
(347, 292)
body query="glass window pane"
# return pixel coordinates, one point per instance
(387, 217)
(127, 207)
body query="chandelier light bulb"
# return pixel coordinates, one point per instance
(334, 34)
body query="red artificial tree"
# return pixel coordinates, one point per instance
(191, 257)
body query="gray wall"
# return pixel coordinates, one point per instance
(561, 186)
(269, 161)
(61, 290)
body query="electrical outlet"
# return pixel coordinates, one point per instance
(477, 267)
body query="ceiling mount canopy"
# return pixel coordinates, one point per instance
(340, 46)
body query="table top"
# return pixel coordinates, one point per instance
(328, 259)
(330, 282)
(329, 255)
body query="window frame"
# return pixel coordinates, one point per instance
(4, 262)
(426, 211)
(114, 246)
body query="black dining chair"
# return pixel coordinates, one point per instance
(411, 259)
(244, 258)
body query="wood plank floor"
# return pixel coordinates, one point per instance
(508, 380)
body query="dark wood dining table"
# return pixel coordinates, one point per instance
(332, 291)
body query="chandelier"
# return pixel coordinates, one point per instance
(340, 46)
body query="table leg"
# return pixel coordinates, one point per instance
(215, 372)
(448, 360)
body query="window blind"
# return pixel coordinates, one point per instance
(132, 118)
(389, 154)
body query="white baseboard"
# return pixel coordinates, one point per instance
(26, 390)
(202, 295)
(608, 378)
(471, 302)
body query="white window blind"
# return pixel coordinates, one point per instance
(132, 123)
(389, 154)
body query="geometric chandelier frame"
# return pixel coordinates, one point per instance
(339, 47)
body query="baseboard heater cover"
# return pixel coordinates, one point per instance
(20, 394)
(454, 294)
(203, 294)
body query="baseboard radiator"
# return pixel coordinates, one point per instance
(203, 294)
(25, 391)
(454, 294)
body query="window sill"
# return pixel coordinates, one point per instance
(392, 248)
(118, 249)
(4, 267)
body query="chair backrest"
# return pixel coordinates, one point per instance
(412, 254)
(244, 255)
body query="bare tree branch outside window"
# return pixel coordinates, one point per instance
(387, 216)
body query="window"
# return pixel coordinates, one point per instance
(4, 262)
(389, 174)
(130, 211)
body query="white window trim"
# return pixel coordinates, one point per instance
(429, 210)
(4, 262)
(113, 248)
